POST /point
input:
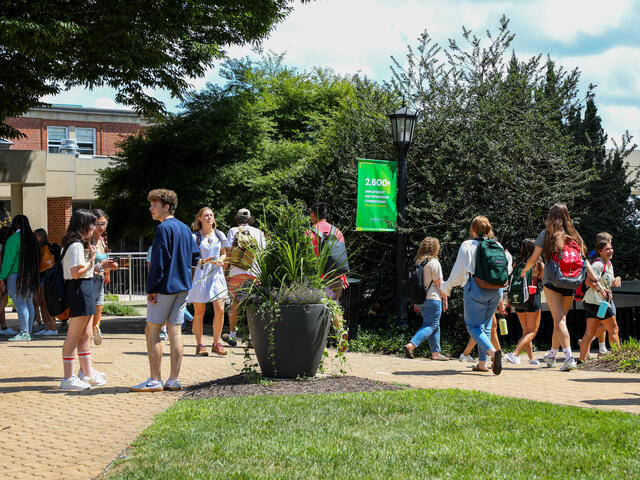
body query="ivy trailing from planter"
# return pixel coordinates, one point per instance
(290, 274)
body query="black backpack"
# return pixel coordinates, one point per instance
(416, 293)
(335, 252)
(53, 285)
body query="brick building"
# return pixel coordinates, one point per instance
(46, 185)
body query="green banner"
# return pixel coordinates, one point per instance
(376, 196)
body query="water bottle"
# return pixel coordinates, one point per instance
(502, 323)
(602, 309)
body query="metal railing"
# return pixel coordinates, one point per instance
(129, 282)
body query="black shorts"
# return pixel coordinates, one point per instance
(592, 311)
(80, 296)
(534, 304)
(565, 292)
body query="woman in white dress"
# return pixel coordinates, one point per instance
(209, 284)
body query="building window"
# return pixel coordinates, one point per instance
(54, 136)
(86, 138)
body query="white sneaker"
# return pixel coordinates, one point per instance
(550, 361)
(512, 358)
(74, 383)
(534, 362)
(97, 379)
(466, 358)
(7, 331)
(603, 352)
(163, 336)
(149, 385)
(173, 385)
(569, 364)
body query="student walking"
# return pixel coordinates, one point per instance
(20, 270)
(559, 241)
(168, 282)
(435, 302)
(529, 308)
(209, 284)
(597, 301)
(481, 262)
(77, 266)
(244, 241)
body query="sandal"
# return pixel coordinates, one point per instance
(496, 365)
(217, 348)
(201, 351)
(476, 368)
(440, 358)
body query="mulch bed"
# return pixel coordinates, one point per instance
(238, 385)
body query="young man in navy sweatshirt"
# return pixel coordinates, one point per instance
(173, 254)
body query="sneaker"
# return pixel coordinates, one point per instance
(534, 362)
(21, 337)
(74, 383)
(97, 379)
(229, 340)
(550, 361)
(49, 333)
(603, 352)
(201, 351)
(218, 349)
(512, 358)
(173, 385)
(40, 332)
(466, 358)
(7, 331)
(149, 385)
(163, 336)
(579, 362)
(97, 336)
(569, 364)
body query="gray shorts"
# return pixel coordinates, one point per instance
(168, 308)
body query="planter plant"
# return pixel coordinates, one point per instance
(290, 311)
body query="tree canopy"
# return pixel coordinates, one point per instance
(497, 136)
(132, 46)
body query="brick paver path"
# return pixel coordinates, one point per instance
(46, 432)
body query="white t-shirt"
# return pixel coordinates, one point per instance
(75, 255)
(432, 272)
(258, 236)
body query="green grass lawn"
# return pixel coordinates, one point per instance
(418, 434)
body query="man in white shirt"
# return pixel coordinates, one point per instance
(240, 272)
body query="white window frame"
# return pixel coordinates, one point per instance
(93, 144)
(55, 144)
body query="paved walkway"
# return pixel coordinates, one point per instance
(46, 432)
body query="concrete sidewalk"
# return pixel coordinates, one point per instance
(46, 432)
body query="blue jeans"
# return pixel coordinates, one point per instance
(431, 311)
(24, 305)
(479, 306)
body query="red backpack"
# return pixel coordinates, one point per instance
(567, 269)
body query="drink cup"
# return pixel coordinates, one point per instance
(602, 309)
(533, 289)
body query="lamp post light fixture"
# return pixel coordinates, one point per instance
(403, 122)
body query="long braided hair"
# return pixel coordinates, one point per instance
(29, 270)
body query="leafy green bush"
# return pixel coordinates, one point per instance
(391, 341)
(120, 310)
(627, 355)
(110, 297)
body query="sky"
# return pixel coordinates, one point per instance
(598, 37)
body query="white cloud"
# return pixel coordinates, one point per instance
(563, 20)
(616, 119)
(108, 102)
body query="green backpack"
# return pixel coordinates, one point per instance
(517, 287)
(491, 264)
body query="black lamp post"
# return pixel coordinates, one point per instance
(403, 122)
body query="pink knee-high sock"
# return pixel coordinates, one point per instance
(67, 363)
(85, 363)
